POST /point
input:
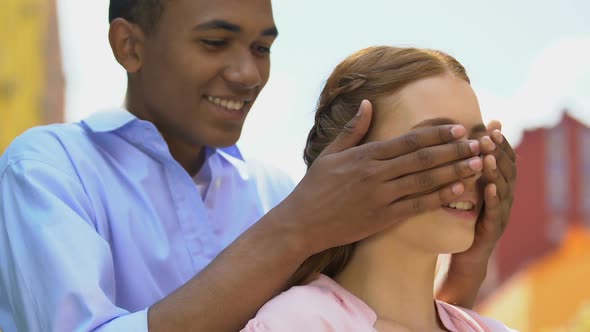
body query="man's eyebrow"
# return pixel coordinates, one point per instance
(231, 27)
(218, 25)
(478, 128)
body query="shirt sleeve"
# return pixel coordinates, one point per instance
(255, 325)
(490, 323)
(55, 269)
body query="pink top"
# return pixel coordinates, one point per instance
(324, 306)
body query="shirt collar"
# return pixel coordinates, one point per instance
(114, 119)
(109, 120)
(231, 153)
(234, 157)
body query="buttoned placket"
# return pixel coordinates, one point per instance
(191, 212)
(213, 191)
(211, 202)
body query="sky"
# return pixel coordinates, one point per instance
(527, 60)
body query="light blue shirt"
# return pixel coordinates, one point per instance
(98, 222)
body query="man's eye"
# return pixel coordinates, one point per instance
(214, 42)
(263, 49)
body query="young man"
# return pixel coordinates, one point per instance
(148, 218)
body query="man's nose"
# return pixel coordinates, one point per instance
(244, 72)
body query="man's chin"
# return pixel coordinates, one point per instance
(224, 141)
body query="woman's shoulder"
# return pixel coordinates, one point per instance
(453, 314)
(319, 305)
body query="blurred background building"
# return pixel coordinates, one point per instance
(31, 75)
(538, 276)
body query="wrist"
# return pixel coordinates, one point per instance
(289, 233)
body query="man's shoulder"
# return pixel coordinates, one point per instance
(269, 173)
(48, 144)
(66, 141)
(273, 184)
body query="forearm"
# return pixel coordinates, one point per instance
(235, 285)
(461, 286)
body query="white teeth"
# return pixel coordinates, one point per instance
(465, 206)
(229, 104)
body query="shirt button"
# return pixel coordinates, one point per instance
(217, 183)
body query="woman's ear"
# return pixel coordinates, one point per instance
(126, 41)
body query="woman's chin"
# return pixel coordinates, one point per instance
(456, 246)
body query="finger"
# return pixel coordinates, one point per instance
(493, 125)
(415, 140)
(353, 132)
(491, 174)
(487, 145)
(490, 168)
(501, 141)
(405, 208)
(429, 180)
(494, 214)
(428, 158)
(491, 197)
(506, 166)
(502, 187)
(497, 137)
(493, 204)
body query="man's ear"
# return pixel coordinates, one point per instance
(126, 41)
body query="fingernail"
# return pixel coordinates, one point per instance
(499, 136)
(475, 164)
(458, 131)
(489, 142)
(457, 188)
(474, 146)
(361, 109)
(494, 191)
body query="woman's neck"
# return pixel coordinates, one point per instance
(395, 280)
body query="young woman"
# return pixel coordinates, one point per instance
(385, 282)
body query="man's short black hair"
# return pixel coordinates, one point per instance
(145, 13)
